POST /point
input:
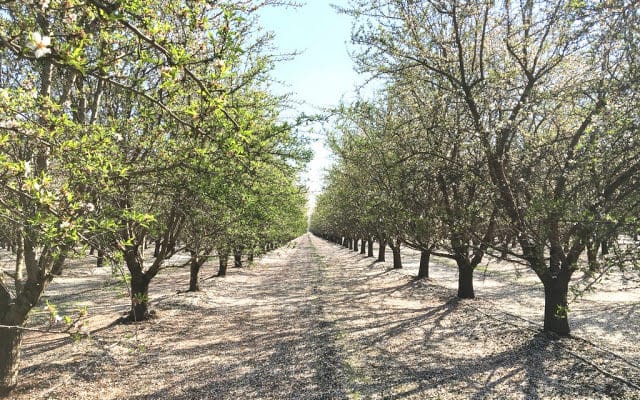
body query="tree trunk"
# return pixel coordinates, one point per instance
(382, 250)
(194, 271)
(465, 282)
(139, 298)
(363, 247)
(350, 244)
(20, 265)
(556, 311)
(10, 343)
(100, 259)
(156, 249)
(423, 270)
(355, 244)
(397, 260)
(250, 256)
(223, 262)
(237, 259)
(592, 257)
(370, 248)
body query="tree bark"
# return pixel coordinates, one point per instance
(556, 310)
(100, 259)
(237, 259)
(223, 260)
(382, 250)
(20, 265)
(156, 249)
(397, 259)
(363, 247)
(370, 248)
(139, 298)
(10, 344)
(465, 282)
(423, 270)
(592, 257)
(355, 244)
(194, 271)
(14, 311)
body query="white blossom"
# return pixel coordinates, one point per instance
(218, 63)
(44, 4)
(28, 169)
(40, 44)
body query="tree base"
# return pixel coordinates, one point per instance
(129, 319)
(10, 344)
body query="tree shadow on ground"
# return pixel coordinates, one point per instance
(301, 330)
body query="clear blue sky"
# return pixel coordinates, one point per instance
(323, 73)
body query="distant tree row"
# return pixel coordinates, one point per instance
(504, 128)
(130, 123)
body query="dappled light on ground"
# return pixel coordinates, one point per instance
(313, 320)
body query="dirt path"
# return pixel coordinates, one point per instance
(310, 321)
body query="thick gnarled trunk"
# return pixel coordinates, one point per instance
(140, 281)
(555, 277)
(10, 344)
(14, 311)
(139, 298)
(556, 310)
(370, 247)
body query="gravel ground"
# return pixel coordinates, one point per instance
(317, 321)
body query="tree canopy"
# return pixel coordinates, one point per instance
(507, 129)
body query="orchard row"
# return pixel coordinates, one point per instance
(131, 122)
(507, 129)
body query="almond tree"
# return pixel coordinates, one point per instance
(542, 87)
(49, 152)
(105, 107)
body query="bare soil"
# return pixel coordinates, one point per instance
(313, 320)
